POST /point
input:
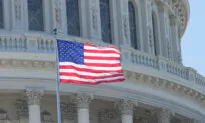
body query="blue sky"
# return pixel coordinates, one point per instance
(193, 41)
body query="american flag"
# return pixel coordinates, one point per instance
(83, 63)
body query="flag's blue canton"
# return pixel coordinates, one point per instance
(69, 51)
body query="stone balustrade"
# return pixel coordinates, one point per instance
(46, 44)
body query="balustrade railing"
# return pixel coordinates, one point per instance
(46, 44)
(162, 64)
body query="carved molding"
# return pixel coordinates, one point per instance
(8, 63)
(21, 108)
(126, 27)
(95, 12)
(33, 96)
(3, 114)
(46, 116)
(68, 111)
(107, 114)
(58, 10)
(17, 6)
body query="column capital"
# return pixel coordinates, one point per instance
(126, 107)
(83, 100)
(33, 96)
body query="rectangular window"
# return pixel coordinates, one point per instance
(1, 14)
(35, 15)
(105, 21)
(73, 21)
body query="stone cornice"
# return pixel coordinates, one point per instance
(163, 83)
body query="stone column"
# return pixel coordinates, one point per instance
(33, 99)
(83, 101)
(22, 110)
(164, 116)
(126, 108)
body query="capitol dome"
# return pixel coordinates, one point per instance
(158, 88)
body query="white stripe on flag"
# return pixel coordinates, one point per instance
(102, 61)
(103, 49)
(102, 54)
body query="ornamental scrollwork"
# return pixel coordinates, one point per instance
(68, 111)
(95, 12)
(46, 116)
(21, 108)
(17, 6)
(107, 114)
(126, 26)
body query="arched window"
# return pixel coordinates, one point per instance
(35, 15)
(132, 21)
(154, 27)
(72, 13)
(1, 15)
(105, 21)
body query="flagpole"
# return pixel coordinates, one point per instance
(57, 79)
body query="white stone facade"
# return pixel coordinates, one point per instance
(158, 88)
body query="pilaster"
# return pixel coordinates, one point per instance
(145, 24)
(59, 18)
(163, 18)
(123, 22)
(93, 19)
(47, 12)
(175, 39)
(18, 11)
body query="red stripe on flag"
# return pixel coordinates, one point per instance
(89, 77)
(90, 83)
(91, 45)
(103, 64)
(88, 70)
(101, 51)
